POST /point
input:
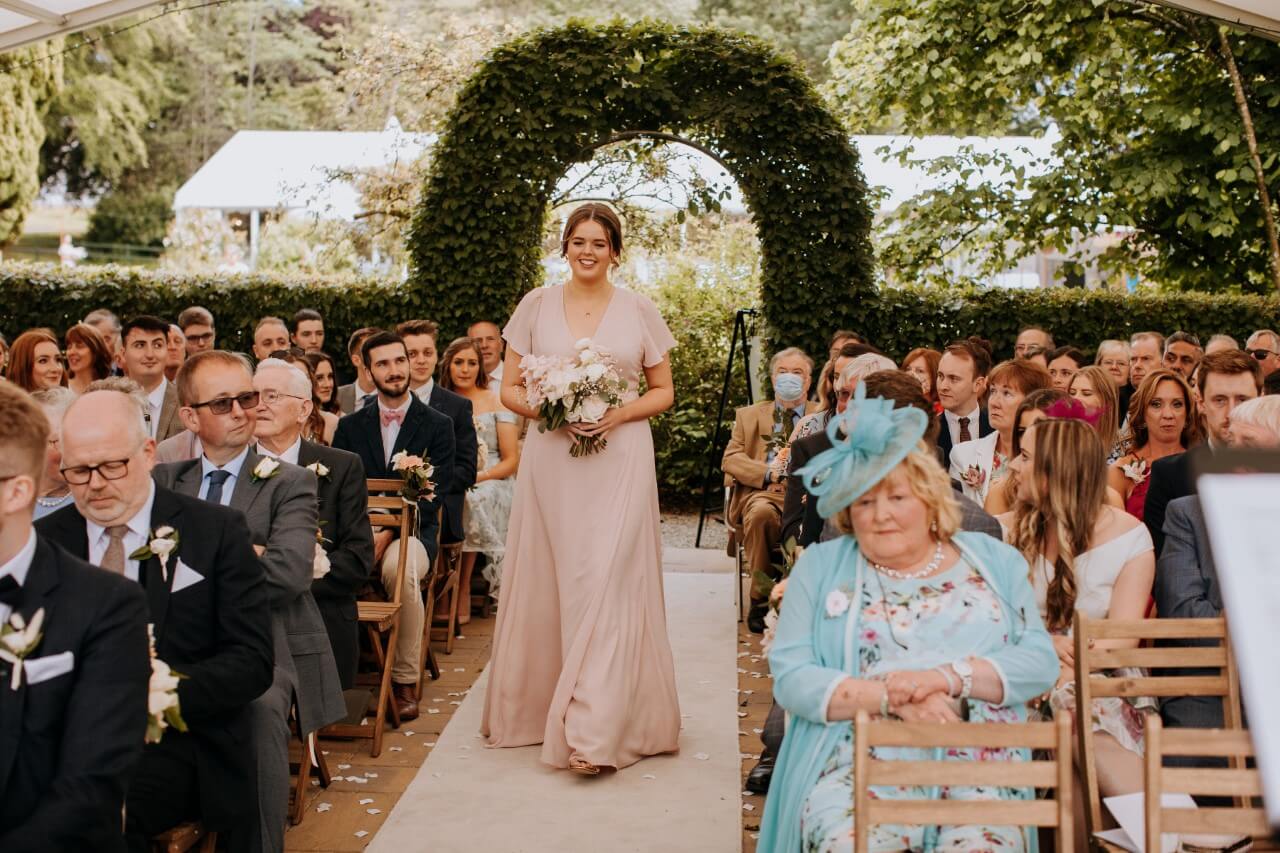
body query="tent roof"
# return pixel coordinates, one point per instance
(1260, 16)
(23, 22)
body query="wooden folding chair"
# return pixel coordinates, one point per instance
(428, 587)
(1053, 773)
(1240, 782)
(448, 573)
(310, 756)
(383, 617)
(734, 547)
(1092, 682)
(184, 837)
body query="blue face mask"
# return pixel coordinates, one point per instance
(788, 386)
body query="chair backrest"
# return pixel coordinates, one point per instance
(1054, 773)
(1092, 682)
(397, 514)
(385, 484)
(1240, 782)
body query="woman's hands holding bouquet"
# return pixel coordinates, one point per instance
(613, 417)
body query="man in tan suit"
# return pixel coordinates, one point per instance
(758, 489)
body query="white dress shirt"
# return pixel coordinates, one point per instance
(423, 392)
(953, 424)
(495, 381)
(155, 400)
(391, 431)
(139, 534)
(289, 455)
(18, 566)
(233, 468)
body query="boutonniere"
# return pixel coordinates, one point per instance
(18, 639)
(838, 602)
(1137, 470)
(974, 477)
(265, 469)
(319, 469)
(162, 544)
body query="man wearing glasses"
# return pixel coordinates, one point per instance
(197, 325)
(1264, 346)
(207, 603)
(219, 406)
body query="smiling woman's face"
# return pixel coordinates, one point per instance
(588, 250)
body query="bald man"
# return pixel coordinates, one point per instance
(207, 601)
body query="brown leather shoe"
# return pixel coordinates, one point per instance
(406, 704)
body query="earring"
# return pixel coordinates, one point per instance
(933, 527)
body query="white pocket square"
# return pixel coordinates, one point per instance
(185, 576)
(50, 666)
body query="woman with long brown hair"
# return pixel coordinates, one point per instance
(1162, 422)
(922, 363)
(1087, 556)
(88, 358)
(35, 362)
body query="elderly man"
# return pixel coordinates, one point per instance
(106, 322)
(1032, 336)
(1182, 352)
(1146, 349)
(284, 404)
(72, 731)
(219, 405)
(1264, 345)
(207, 604)
(197, 326)
(488, 338)
(146, 350)
(751, 464)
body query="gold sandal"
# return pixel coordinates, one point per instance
(580, 765)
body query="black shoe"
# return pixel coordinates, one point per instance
(755, 617)
(760, 775)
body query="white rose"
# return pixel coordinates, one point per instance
(593, 409)
(320, 566)
(588, 356)
(596, 371)
(582, 343)
(319, 469)
(160, 700)
(162, 677)
(161, 546)
(266, 468)
(165, 532)
(837, 603)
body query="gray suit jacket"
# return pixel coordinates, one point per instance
(1186, 587)
(282, 515)
(347, 396)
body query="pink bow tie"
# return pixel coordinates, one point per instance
(390, 416)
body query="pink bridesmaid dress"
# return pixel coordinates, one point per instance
(581, 662)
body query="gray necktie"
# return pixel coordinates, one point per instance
(113, 558)
(216, 479)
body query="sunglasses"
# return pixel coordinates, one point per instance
(1261, 354)
(222, 405)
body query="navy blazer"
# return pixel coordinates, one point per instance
(463, 477)
(1170, 479)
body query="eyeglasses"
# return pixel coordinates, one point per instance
(222, 405)
(80, 475)
(1261, 354)
(207, 337)
(286, 354)
(271, 397)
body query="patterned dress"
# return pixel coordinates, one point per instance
(489, 503)
(917, 624)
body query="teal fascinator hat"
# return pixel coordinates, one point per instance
(867, 442)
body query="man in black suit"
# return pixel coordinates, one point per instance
(1226, 379)
(71, 733)
(400, 422)
(961, 381)
(284, 406)
(420, 342)
(207, 603)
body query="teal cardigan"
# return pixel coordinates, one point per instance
(812, 654)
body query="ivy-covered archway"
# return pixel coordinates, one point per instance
(547, 100)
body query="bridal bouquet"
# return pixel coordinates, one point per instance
(573, 390)
(415, 473)
(162, 697)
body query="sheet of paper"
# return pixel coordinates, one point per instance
(1240, 513)
(1128, 812)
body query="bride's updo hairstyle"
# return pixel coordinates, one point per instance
(594, 212)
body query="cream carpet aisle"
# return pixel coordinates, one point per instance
(474, 800)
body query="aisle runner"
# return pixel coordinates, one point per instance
(468, 799)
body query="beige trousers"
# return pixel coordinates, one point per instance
(404, 666)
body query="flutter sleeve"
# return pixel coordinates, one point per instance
(519, 330)
(657, 338)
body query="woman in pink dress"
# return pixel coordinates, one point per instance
(581, 661)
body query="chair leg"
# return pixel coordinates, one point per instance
(433, 666)
(322, 765)
(209, 844)
(384, 689)
(299, 807)
(453, 616)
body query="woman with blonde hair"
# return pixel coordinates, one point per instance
(1162, 422)
(1096, 390)
(1086, 556)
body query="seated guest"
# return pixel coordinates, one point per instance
(219, 405)
(307, 331)
(1264, 346)
(1063, 364)
(326, 384)
(399, 422)
(1182, 353)
(1094, 389)
(1000, 494)
(976, 464)
(853, 370)
(961, 384)
(1186, 584)
(210, 619)
(146, 348)
(361, 392)
(839, 339)
(488, 337)
(489, 501)
(197, 328)
(73, 735)
(922, 363)
(269, 335)
(983, 643)
(420, 341)
(108, 325)
(1146, 349)
(1032, 336)
(88, 358)
(54, 492)
(749, 466)
(1114, 356)
(320, 425)
(1162, 422)
(177, 352)
(1036, 354)
(1225, 381)
(1220, 343)
(284, 406)
(817, 420)
(1086, 556)
(35, 362)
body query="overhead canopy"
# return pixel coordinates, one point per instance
(1260, 16)
(23, 22)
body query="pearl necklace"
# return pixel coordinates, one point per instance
(50, 502)
(925, 572)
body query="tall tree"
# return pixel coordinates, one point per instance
(807, 28)
(1166, 132)
(29, 80)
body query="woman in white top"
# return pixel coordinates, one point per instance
(976, 464)
(1084, 555)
